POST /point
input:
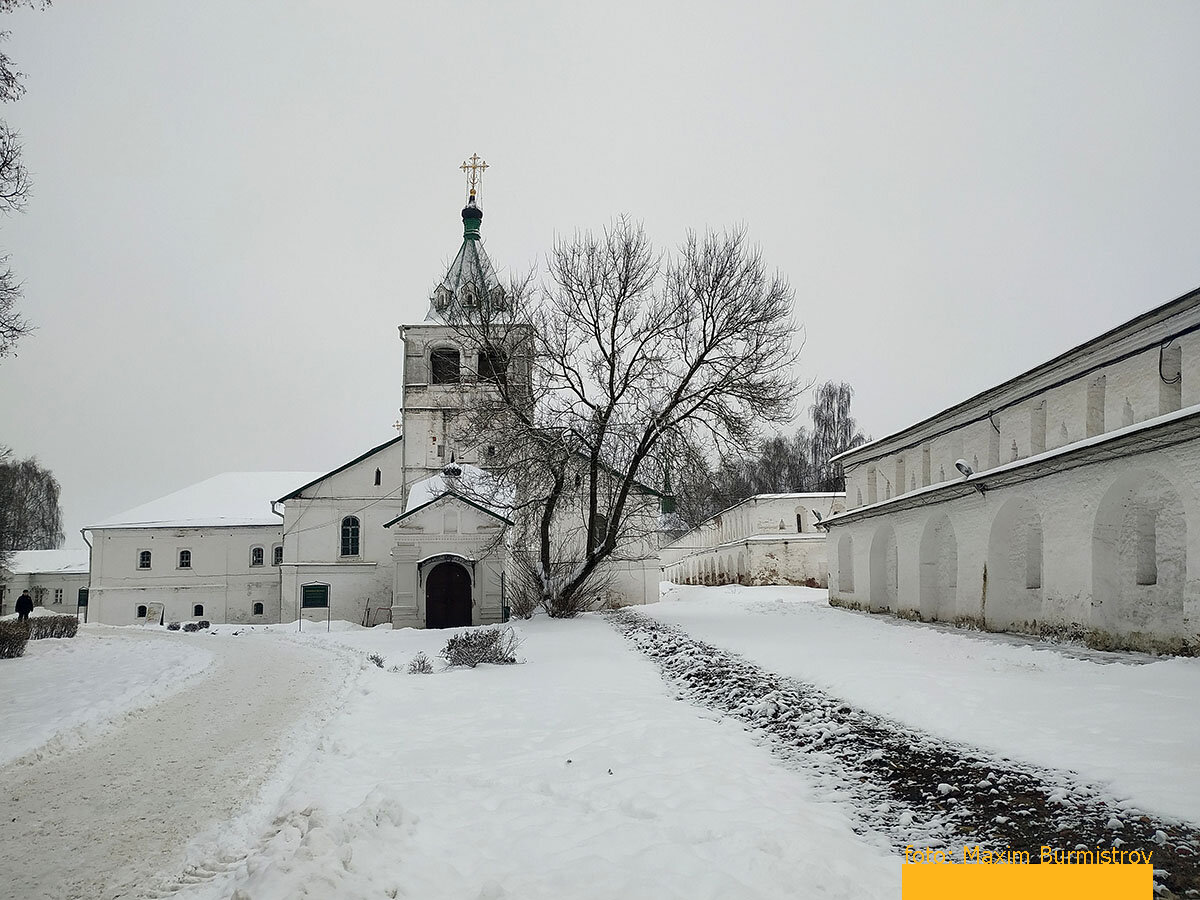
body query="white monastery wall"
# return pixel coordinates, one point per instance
(55, 591)
(221, 578)
(1103, 389)
(768, 539)
(1080, 518)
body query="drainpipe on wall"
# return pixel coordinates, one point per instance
(83, 534)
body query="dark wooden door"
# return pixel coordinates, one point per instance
(447, 596)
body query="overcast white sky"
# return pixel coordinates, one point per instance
(237, 203)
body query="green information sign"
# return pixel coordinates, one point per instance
(314, 596)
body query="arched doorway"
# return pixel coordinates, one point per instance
(447, 596)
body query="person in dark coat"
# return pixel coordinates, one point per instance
(24, 606)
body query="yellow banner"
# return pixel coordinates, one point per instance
(951, 881)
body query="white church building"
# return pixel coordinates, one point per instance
(1063, 501)
(398, 534)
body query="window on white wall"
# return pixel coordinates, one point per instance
(198, 610)
(58, 595)
(143, 559)
(378, 477)
(350, 536)
(258, 609)
(185, 559)
(256, 556)
(277, 555)
(444, 366)
(141, 612)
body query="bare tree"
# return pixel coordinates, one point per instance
(30, 517)
(14, 188)
(834, 432)
(624, 358)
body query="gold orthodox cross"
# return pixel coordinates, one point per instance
(474, 168)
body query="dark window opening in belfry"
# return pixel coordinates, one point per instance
(444, 366)
(493, 366)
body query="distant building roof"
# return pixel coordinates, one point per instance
(232, 498)
(32, 562)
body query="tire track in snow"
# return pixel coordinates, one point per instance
(103, 821)
(907, 786)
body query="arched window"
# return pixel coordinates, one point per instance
(185, 559)
(141, 612)
(444, 366)
(350, 536)
(599, 531)
(198, 610)
(378, 477)
(256, 556)
(277, 555)
(493, 366)
(143, 559)
(258, 609)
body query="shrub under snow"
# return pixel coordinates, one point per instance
(481, 645)
(13, 636)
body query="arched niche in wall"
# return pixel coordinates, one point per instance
(1139, 556)
(939, 569)
(1013, 600)
(885, 562)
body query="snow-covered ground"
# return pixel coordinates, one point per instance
(64, 690)
(574, 774)
(104, 820)
(285, 765)
(1129, 721)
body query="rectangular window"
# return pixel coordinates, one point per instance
(57, 596)
(314, 596)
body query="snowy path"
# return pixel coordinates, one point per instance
(102, 822)
(915, 789)
(1118, 720)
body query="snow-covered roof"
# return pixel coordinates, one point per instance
(32, 562)
(232, 498)
(473, 484)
